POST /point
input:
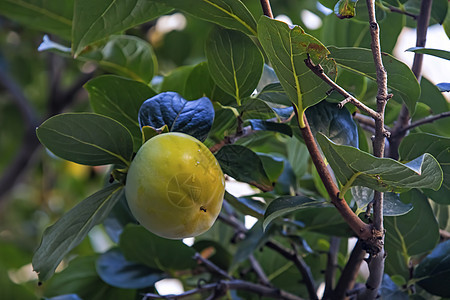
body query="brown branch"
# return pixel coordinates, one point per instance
(300, 264)
(259, 271)
(363, 119)
(426, 120)
(212, 267)
(332, 263)
(318, 70)
(360, 228)
(222, 287)
(267, 10)
(404, 119)
(351, 269)
(403, 12)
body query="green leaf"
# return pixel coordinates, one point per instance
(140, 245)
(243, 165)
(417, 143)
(401, 79)
(288, 204)
(125, 55)
(392, 205)
(234, 61)
(274, 93)
(287, 48)
(87, 138)
(411, 234)
(434, 270)
(49, 16)
(354, 167)
(345, 9)
(232, 14)
(120, 99)
(95, 20)
(81, 281)
(60, 238)
(434, 52)
(246, 205)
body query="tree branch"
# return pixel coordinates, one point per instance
(330, 271)
(429, 119)
(267, 10)
(300, 264)
(212, 267)
(318, 70)
(403, 12)
(259, 271)
(225, 285)
(403, 120)
(360, 228)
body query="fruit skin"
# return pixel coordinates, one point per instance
(175, 186)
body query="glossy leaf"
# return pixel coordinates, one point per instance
(243, 165)
(60, 238)
(274, 93)
(127, 56)
(392, 205)
(287, 48)
(118, 218)
(271, 126)
(434, 270)
(115, 270)
(335, 123)
(417, 143)
(345, 9)
(191, 117)
(411, 234)
(401, 81)
(49, 16)
(246, 205)
(357, 168)
(120, 99)
(87, 138)
(390, 291)
(256, 238)
(234, 61)
(140, 245)
(434, 52)
(176, 81)
(232, 14)
(288, 204)
(96, 20)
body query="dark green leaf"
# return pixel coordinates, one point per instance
(434, 270)
(417, 143)
(435, 52)
(390, 291)
(392, 205)
(95, 20)
(345, 9)
(120, 99)
(243, 165)
(271, 126)
(81, 278)
(357, 168)
(411, 234)
(287, 48)
(402, 81)
(438, 9)
(139, 245)
(115, 270)
(11, 290)
(273, 165)
(234, 61)
(288, 204)
(255, 238)
(298, 156)
(176, 81)
(118, 218)
(246, 205)
(335, 123)
(60, 238)
(87, 138)
(274, 93)
(48, 16)
(230, 14)
(191, 117)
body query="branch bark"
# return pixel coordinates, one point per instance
(330, 272)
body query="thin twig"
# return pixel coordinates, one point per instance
(212, 267)
(330, 271)
(363, 119)
(404, 119)
(403, 12)
(259, 271)
(226, 285)
(426, 120)
(267, 10)
(299, 263)
(318, 70)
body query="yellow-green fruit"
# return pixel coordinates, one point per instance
(175, 186)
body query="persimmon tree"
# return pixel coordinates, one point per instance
(338, 139)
